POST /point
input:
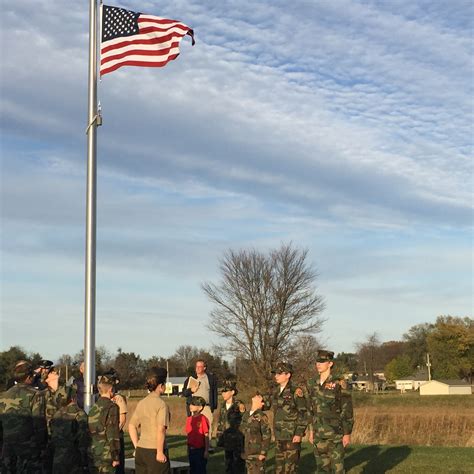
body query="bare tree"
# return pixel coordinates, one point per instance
(263, 302)
(369, 357)
(185, 356)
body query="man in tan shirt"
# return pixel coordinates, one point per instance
(152, 417)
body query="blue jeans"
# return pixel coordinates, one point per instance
(197, 461)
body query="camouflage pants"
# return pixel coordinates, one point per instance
(254, 466)
(21, 461)
(329, 454)
(234, 464)
(287, 456)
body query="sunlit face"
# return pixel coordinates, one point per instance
(200, 367)
(282, 378)
(227, 395)
(323, 366)
(257, 401)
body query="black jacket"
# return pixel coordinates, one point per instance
(212, 392)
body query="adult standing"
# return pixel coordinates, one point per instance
(290, 418)
(23, 421)
(151, 418)
(332, 416)
(205, 388)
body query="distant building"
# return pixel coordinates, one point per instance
(446, 387)
(174, 385)
(413, 382)
(363, 383)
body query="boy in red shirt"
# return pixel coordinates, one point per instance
(197, 430)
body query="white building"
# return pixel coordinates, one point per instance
(410, 383)
(446, 387)
(174, 385)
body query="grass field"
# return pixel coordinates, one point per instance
(392, 419)
(361, 459)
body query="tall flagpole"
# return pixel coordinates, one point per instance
(91, 207)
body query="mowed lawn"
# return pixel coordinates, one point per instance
(359, 459)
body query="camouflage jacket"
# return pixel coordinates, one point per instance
(229, 433)
(53, 400)
(257, 433)
(331, 408)
(290, 412)
(22, 416)
(104, 432)
(70, 436)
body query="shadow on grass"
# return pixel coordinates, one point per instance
(377, 459)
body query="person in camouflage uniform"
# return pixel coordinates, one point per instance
(104, 453)
(332, 416)
(257, 435)
(229, 435)
(70, 436)
(22, 416)
(290, 418)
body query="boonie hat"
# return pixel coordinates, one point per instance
(22, 369)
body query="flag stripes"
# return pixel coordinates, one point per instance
(134, 39)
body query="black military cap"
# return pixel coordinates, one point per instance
(325, 356)
(106, 379)
(46, 364)
(198, 401)
(283, 368)
(113, 375)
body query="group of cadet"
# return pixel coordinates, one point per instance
(323, 403)
(44, 429)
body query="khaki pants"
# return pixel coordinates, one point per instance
(208, 414)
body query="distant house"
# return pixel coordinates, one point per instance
(413, 382)
(363, 383)
(446, 387)
(174, 385)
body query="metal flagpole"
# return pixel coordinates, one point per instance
(91, 207)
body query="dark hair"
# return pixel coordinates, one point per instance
(203, 361)
(155, 377)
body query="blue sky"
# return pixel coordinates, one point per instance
(342, 126)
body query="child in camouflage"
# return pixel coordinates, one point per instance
(70, 436)
(229, 434)
(257, 434)
(104, 430)
(197, 431)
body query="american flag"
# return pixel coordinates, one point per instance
(135, 39)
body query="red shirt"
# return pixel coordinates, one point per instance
(197, 428)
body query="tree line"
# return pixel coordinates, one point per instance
(266, 307)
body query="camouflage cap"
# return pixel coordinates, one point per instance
(198, 401)
(324, 356)
(22, 369)
(283, 367)
(229, 385)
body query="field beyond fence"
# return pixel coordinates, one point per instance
(385, 420)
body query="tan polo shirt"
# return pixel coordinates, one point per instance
(119, 400)
(151, 412)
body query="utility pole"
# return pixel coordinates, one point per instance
(428, 364)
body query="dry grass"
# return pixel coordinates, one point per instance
(416, 426)
(421, 424)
